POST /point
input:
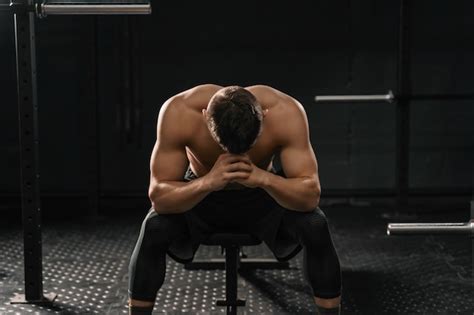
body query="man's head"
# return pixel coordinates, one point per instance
(234, 118)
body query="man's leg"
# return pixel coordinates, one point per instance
(321, 264)
(148, 261)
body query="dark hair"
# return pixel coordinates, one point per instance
(235, 119)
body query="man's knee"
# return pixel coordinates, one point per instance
(314, 227)
(157, 229)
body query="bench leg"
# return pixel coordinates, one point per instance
(231, 266)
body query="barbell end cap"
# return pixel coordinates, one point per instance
(390, 96)
(389, 229)
(39, 10)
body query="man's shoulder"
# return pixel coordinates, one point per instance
(199, 94)
(271, 97)
(190, 100)
(281, 106)
(177, 119)
(286, 116)
(265, 94)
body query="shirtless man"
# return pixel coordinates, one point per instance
(223, 140)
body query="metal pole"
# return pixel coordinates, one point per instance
(356, 98)
(431, 228)
(403, 109)
(231, 256)
(94, 9)
(92, 134)
(29, 155)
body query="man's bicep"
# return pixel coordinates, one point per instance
(168, 162)
(296, 154)
(299, 161)
(168, 159)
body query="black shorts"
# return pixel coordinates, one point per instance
(247, 210)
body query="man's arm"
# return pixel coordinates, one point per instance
(301, 190)
(168, 192)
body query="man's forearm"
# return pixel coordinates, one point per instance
(298, 194)
(176, 196)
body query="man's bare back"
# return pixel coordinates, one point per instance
(201, 149)
(183, 138)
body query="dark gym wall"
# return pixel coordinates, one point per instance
(128, 66)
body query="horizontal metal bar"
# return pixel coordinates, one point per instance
(389, 97)
(94, 9)
(356, 98)
(430, 228)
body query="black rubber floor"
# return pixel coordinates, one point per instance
(87, 267)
